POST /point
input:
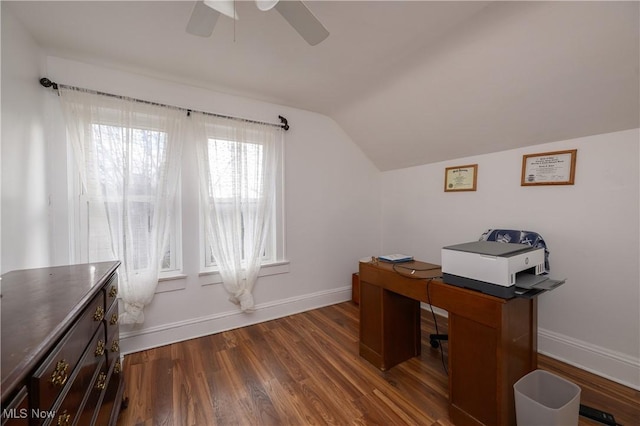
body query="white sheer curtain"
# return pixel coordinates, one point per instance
(128, 155)
(238, 164)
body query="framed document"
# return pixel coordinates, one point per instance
(549, 168)
(460, 178)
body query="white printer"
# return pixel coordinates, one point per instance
(494, 267)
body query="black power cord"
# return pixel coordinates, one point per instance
(435, 322)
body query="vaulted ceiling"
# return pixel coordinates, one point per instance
(411, 82)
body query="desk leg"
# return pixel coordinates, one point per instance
(389, 326)
(371, 323)
(485, 360)
(472, 372)
(402, 339)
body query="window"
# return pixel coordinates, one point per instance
(223, 166)
(128, 164)
(242, 192)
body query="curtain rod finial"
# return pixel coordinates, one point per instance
(48, 83)
(285, 123)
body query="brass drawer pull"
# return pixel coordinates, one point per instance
(60, 374)
(100, 348)
(114, 319)
(64, 419)
(117, 368)
(102, 381)
(115, 346)
(113, 292)
(99, 315)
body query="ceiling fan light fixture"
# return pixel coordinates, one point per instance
(206, 12)
(226, 7)
(265, 5)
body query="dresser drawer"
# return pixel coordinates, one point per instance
(16, 412)
(69, 406)
(50, 379)
(110, 404)
(113, 334)
(94, 393)
(111, 291)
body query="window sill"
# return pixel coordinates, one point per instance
(275, 268)
(170, 281)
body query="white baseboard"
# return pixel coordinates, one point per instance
(147, 338)
(609, 364)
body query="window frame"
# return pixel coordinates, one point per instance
(275, 262)
(80, 218)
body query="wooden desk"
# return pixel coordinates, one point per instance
(492, 341)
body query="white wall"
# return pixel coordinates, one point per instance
(25, 214)
(332, 212)
(591, 229)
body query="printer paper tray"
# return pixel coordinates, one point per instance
(546, 284)
(527, 294)
(540, 282)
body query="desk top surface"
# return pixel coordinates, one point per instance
(413, 279)
(413, 269)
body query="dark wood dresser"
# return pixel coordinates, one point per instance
(60, 349)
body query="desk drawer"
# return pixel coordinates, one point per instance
(479, 307)
(369, 273)
(50, 379)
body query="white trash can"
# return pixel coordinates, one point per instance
(544, 399)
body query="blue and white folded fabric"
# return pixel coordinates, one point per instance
(522, 237)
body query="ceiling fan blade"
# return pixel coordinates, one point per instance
(226, 7)
(302, 20)
(265, 5)
(203, 20)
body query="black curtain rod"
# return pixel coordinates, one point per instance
(48, 83)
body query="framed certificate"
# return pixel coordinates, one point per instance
(460, 178)
(549, 168)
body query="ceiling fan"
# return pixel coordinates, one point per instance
(206, 13)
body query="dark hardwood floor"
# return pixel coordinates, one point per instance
(305, 370)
